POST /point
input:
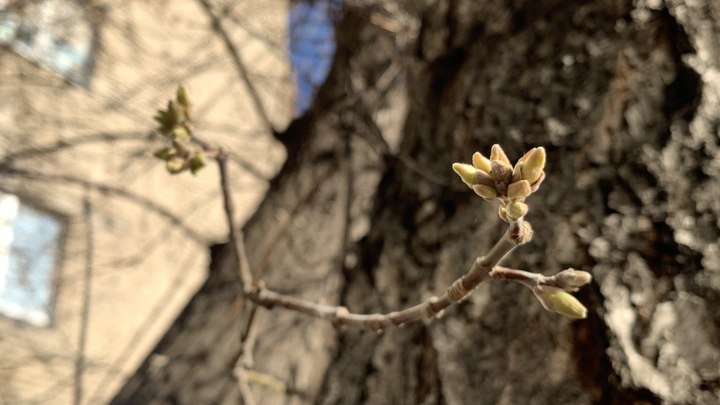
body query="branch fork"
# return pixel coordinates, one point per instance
(491, 178)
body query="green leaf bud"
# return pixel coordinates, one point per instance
(533, 165)
(497, 153)
(486, 192)
(466, 173)
(519, 190)
(516, 210)
(571, 279)
(481, 162)
(557, 300)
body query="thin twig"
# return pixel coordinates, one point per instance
(236, 236)
(237, 246)
(516, 234)
(239, 64)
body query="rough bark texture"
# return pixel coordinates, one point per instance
(626, 99)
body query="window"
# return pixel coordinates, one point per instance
(29, 241)
(54, 33)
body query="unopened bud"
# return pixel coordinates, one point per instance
(516, 210)
(501, 214)
(525, 156)
(181, 96)
(533, 165)
(481, 162)
(497, 153)
(164, 153)
(535, 186)
(557, 300)
(502, 175)
(483, 178)
(174, 112)
(486, 192)
(519, 190)
(466, 173)
(517, 172)
(180, 134)
(572, 280)
(176, 165)
(197, 162)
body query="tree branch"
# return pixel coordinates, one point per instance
(236, 236)
(516, 234)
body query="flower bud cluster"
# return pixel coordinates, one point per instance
(496, 178)
(174, 123)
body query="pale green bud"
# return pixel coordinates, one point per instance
(497, 153)
(519, 190)
(533, 165)
(466, 173)
(481, 162)
(165, 153)
(557, 300)
(181, 96)
(176, 165)
(535, 186)
(197, 162)
(516, 210)
(486, 192)
(501, 214)
(571, 279)
(180, 134)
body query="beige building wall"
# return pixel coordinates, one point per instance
(146, 232)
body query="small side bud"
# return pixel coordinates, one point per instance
(486, 192)
(164, 153)
(516, 210)
(181, 96)
(176, 165)
(466, 173)
(174, 113)
(572, 280)
(497, 153)
(519, 190)
(180, 134)
(481, 162)
(533, 165)
(556, 300)
(197, 162)
(502, 214)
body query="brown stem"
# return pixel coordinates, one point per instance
(236, 236)
(516, 235)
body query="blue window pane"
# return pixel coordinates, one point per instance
(30, 258)
(54, 33)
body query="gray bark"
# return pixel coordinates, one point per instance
(626, 99)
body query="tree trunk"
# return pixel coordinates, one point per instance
(626, 100)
